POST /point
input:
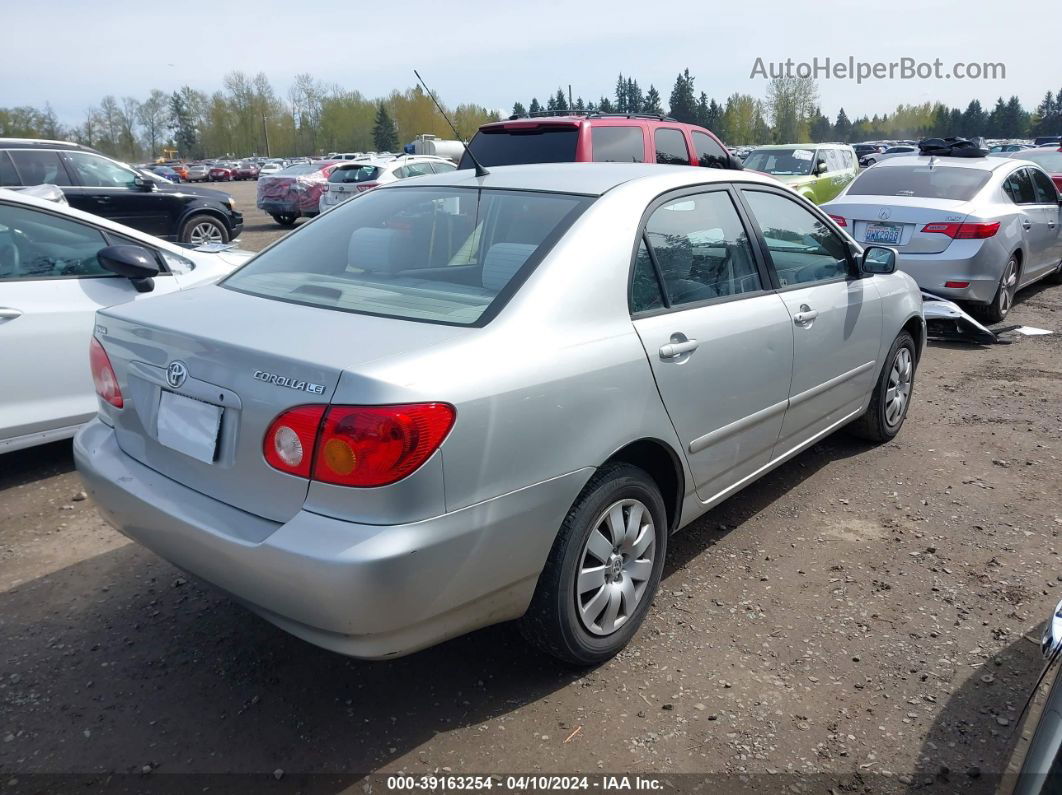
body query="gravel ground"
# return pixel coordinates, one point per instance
(867, 616)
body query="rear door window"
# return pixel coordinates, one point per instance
(39, 167)
(921, 181)
(709, 153)
(1019, 187)
(618, 144)
(8, 175)
(671, 147)
(501, 147)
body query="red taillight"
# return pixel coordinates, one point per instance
(363, 186)
(839, 220)
(357, 445)
(956, 285)
(972, 231)
(288, 444)
(103, 375)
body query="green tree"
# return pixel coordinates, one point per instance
(384, 135)
(154, 117)
(534, 107)
(519, 109)
(974, 120)
(651, 104)
(820, 130)
(842, 128)
(790, 102)
(560, 101)
(683, 103)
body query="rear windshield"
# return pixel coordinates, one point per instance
(1048, 160)
(444, 255)
(300, 168)
(500, 147)
(781, 162)
(938, 182)
(360, 174)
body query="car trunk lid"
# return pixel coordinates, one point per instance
(897, 221)
(252, 358)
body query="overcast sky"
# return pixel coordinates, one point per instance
(493, 53)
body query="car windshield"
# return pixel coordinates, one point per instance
(444, 255)
(501, 147)
(1048, 160)
(922, 181)
(358, 174)
(781, 162)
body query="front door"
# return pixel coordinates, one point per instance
(836, 316)
(719, 341)
(107, 188)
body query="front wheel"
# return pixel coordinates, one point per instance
(285, 219)
(603, 569)
(201, 229)
(892, 394)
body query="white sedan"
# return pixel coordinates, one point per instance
(52, 281)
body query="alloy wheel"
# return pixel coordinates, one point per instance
(898, 391)
(1007, 287)
(615, 566)
(205, 232)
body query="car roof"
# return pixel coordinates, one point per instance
(590, 179)
(977, 163)
(41, 143)
(801, 146)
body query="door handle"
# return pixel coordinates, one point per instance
(7, 313)
(1026, 225)
(805, 315)
(674, 349)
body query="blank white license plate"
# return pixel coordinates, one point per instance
(883, 233)
(188, 426)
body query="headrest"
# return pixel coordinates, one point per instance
(502, 262)
(378, 251)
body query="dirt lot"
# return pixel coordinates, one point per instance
(864, 615)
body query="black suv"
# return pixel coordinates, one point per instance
(96, 184)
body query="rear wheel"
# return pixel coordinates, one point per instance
(285, 219)
(1056, 277)
(603, 569)
(998, 310)
(200, 229)
(892, 394)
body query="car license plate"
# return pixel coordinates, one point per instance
(188, 426)
(883, 233)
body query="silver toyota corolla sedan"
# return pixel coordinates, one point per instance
(968, 229)
(455, 401)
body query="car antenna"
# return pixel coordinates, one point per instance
(480, 171)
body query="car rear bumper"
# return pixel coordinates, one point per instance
(977, 262)
(368, 591)
(279, 207)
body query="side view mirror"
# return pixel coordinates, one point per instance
(143, 183)
(820, 167)
(878, 259)
(135, 263)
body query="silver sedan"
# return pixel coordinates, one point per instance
(461, 400)
(967, 229)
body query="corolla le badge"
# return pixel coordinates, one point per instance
(884, 214)
(290, 383)
(176, 374)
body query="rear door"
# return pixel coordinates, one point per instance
(669, 144)
(1038, 237)
(835, 316)
(719, 341)
(51, 284)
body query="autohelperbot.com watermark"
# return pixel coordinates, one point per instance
(901, 69)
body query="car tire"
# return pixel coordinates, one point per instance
(203, 228)
(870, 161)
(1056, 277)
(892, 394)
(285, 219)
(1003, 300)
(586, 628)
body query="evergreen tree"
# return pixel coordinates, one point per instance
(702, 110)
(955, 122)
(652, 101)
(551, 104)
(534, 107)
(621, 95)
(938, 127)
(579, 105)
(605, 105)
(683, 102)
(820, 129)
(560, 101)
(713, 120)
(519, 109)
(635, 100)
(182, 125)
(842, 128)
(1015, 119)
(384, 134)
(974, 120)
(995, 124)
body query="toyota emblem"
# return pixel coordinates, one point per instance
(176, 374)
